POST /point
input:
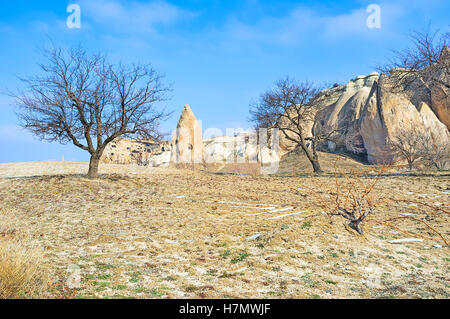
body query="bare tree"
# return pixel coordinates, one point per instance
(85, 100)
(407, 143)
(420, 144)
(293, 108)
(426, 63)
(436, 151)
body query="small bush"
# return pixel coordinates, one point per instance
(353, 197)
(21, 273)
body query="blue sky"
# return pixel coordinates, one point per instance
(219, 55)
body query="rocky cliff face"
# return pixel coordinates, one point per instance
(367, 112)
(387, 113)
(440, 102)
(341, 106)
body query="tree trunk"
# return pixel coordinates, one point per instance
(356, 226)
(313, 158)
(316, 166)
(410, 165)
(93, 166)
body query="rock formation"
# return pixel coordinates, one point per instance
(243, 151)
(340, 107)
(440, 102)
(126, 151)
(387, 113)
(430, 86)
(440, 94)
(367, 112)
(187, 141)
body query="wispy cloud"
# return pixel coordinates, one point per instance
(132, 16)
(303, 23)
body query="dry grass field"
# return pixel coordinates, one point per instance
(139, 232)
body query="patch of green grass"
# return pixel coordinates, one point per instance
(103, 266)
(104, 277)
(306, 276)
(308, 280)
(170, 278)
(331, 282)
(306, 225)
(88, 277)
(140, 289)
(101, 283)
(157, 293)
(121, 297)
(226, 253)
(242, 256)
(211, 272)
(419, 266)
(446, 259)
(135, 277)
(312, 284)
(119, 287)
(314, 296)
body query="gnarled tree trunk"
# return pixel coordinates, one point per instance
(93, 166)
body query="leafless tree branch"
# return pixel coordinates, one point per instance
(86, 100)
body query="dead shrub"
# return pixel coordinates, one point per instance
(353, 197)
(21, 273)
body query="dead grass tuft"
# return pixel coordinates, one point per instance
(21, 272)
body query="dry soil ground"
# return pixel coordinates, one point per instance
(163, 233)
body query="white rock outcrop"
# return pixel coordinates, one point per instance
(127, 151)
(187, 141)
